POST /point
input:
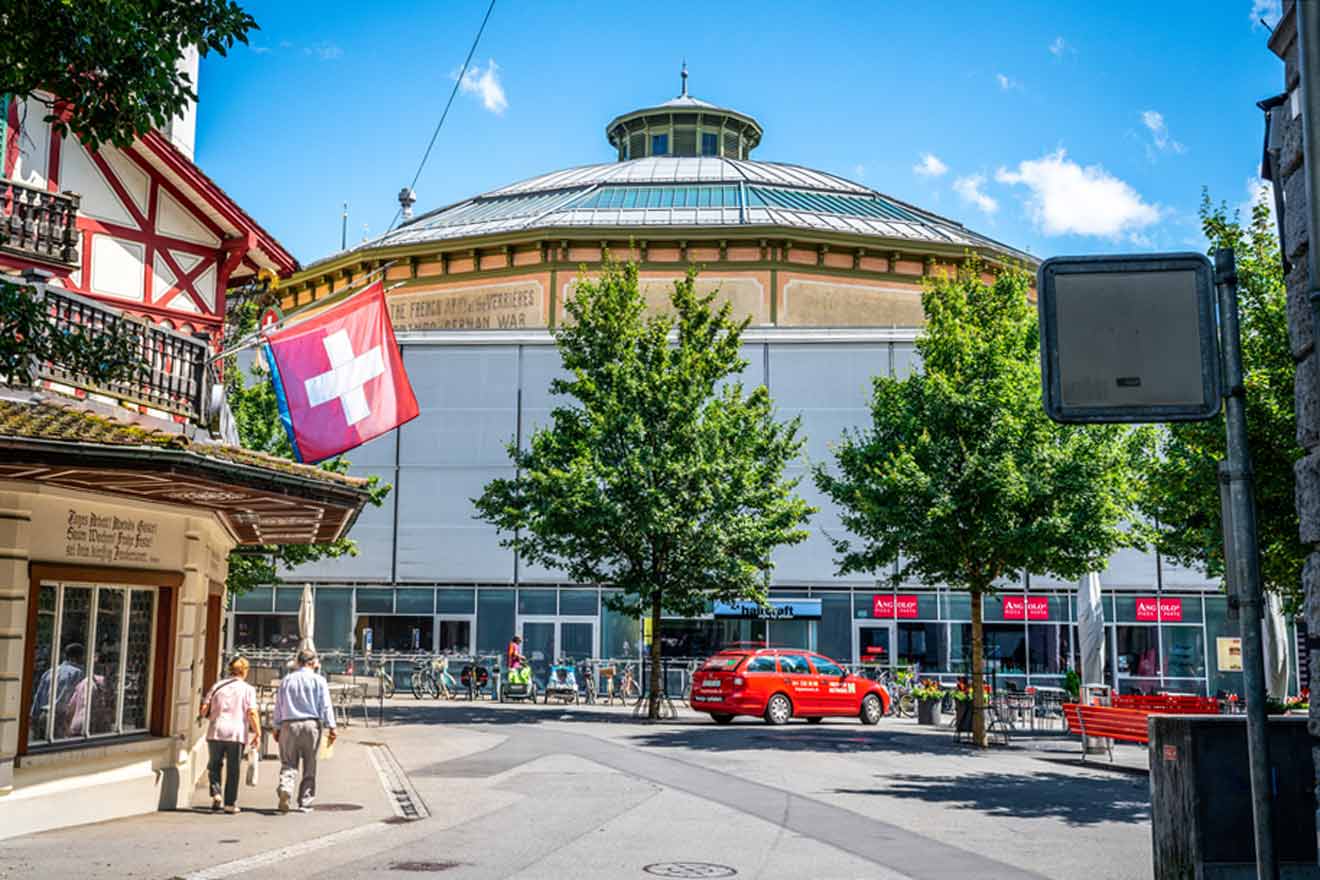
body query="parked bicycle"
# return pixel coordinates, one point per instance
(424, 683)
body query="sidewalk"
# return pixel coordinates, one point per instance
(350, 794)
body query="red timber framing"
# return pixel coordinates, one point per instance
(191, 296)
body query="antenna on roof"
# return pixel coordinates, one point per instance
(683, 94)
(406, 200)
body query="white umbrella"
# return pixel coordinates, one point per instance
(1274, 630)
(306, 620)
(1091, 629)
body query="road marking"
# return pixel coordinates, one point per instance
(261, 860)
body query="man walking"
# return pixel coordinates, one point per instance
(302, 710)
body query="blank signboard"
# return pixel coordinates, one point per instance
(1128, 338)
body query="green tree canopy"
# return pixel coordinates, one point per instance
(112, 62)
(257, 418)
(1180, 492)
(661, 477)
(962, 479)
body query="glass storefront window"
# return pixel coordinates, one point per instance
(396, 632)
(334, 624)
(1136, 651)
(620, 632)
(1184, 651)
(1189, 608)
(495, 620)
(1005, 648)
(791, 634)
(578, 602)
(455, 601)
(253, 632)
(414, 601)
(993, 606)
(375, 601)
(834, 631)
(1218, 626)
(287, 599)
(536, 602)
(921, 646)
(1049, 648)
(955, 606)
(1142, 686)
(257, 599)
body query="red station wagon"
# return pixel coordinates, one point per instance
(779, 684)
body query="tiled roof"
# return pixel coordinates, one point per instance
(55, 421)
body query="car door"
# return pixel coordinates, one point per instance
(838, 695)
(803, 684)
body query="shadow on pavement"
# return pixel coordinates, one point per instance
(825, 738)
(486, 712)
(1075, 800)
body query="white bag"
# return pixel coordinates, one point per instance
(253, 767)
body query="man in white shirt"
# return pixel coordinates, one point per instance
(302, 711)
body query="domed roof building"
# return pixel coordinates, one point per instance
(830, 274)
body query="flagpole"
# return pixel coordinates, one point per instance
(254, 337)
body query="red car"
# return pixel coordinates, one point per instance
(779, 684)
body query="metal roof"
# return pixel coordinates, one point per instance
(665, 191)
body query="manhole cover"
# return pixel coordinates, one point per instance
(424, 867)
(689, 869)
(336, 808)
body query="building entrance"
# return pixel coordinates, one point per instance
(873, 643)
(549, 639)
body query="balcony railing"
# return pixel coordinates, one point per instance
(174, 377)
(39, 224)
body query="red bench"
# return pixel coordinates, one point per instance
(1126, 722)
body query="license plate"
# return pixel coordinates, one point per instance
(711, 683)
(707, 699)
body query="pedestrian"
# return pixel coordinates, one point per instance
(231, 707)
(302, 715)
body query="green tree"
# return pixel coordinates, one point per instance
(29, 335)
(1180, 493)
(111, 65)
(961, 479)
(662, 477)
(257, 418)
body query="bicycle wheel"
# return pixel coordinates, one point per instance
(387, 686)
(907, 706)
(417, 686)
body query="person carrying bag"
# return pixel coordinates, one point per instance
(231, 709)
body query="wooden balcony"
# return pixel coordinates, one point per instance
(38, 224)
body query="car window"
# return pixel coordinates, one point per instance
(722, 662)
(794, 664)
(762, 663)
(826, 667)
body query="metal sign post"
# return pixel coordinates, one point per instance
(1129, 339)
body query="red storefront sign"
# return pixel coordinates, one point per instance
(885, 605)
(1028, 608)
(1152, 610)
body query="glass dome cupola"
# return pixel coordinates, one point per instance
(684, 126)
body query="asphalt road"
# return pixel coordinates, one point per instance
(585, 792)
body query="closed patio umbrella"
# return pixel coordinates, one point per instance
(1274, 630)
(306, 619)
(1091, 629)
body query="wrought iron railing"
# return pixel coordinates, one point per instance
(39, 224)
(171, 373)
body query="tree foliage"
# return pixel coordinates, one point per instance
(256, 415)
(961, 479)
(29, 336)
(111, 64)
(1180, 492)
(662, 477)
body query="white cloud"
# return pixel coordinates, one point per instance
(930, 166)
(486, 85)
(1007, 83)
(1270, 10)
(1259, 191)
(1161, 140)
(1058, 47)
(260, 50)
(969, 188)
(325, 51)
(1068, 199)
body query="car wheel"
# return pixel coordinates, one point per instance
(721, 717)
(778, 710)
(815, 719)
(871, 709)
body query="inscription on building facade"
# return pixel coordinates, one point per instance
(110, 538)
(511, 306)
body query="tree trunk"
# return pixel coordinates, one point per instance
(657, 682)
(978, 671)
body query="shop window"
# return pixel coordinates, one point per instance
(1050, 648)
(92, 674)
(287, 599)
(414, 601)
(495, 620)
(334, 625)
(1136, 650)
(254, 632)
(454, 601)
(578, 602)
(396, 632)
(620, 632)
(921, 645)
(375, 601)
(536, 602)
(1184, 651)
(1005, 648)
(257, 599)
(834, 631)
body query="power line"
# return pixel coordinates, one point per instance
(457, 83)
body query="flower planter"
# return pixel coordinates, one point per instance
(963, 714)
(928, 711)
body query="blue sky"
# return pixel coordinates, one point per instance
(1057, 127)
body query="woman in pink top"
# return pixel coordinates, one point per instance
(231, 707)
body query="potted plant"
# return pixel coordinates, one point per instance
(929, 696)
(962, 705)
(1072, 683)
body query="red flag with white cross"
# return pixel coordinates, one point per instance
(339, 377)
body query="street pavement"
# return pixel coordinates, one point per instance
(480, 790)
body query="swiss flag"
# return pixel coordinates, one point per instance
(339, 378)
